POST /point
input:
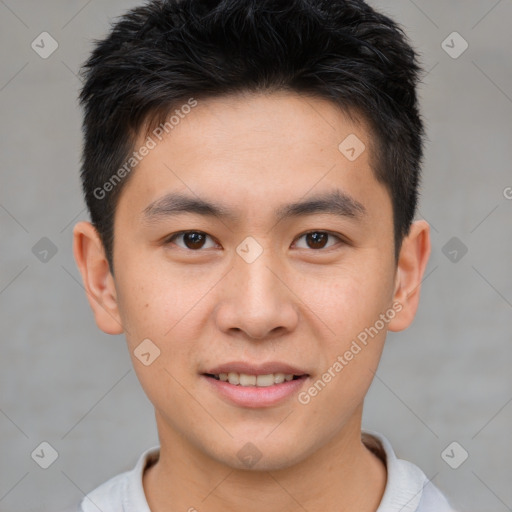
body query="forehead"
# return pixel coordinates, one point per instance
(254, 151)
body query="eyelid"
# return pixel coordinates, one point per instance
(169, 239)
(340, 238)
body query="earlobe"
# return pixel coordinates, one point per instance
(97, 278)
(412, 262)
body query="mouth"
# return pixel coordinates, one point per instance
(250, 385)
(262, 380)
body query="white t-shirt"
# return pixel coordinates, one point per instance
(407, 488)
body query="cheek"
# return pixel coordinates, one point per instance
(157, 309)
(349, 305)
(151, 299)
(346, 300)
(166, 306)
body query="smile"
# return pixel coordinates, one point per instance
(244, 379)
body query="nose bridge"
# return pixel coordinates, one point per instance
(261, 287)
(256, 301)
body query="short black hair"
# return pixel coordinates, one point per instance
(166, 52)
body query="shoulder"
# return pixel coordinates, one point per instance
(407, 489)
(123, 492)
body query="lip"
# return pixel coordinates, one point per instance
(256, 369)
(255, 396)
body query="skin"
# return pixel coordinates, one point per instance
(295, 303)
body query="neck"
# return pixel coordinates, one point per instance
(341, 475)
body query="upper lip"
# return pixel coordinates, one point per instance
(256, 369)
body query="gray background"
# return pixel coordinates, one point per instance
(445, 379)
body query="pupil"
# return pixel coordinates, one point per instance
(194, 240)
(317, 240)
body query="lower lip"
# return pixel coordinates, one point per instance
(255, 396)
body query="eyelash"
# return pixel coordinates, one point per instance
(172, 237)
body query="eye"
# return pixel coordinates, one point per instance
(318, 239)
(192, 240)
(196, 240)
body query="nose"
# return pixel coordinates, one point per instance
(257, 301)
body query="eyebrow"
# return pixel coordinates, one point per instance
(333, 202)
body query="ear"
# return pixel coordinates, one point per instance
(412, 262)
(98, 281)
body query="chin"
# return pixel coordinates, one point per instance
(259, 453)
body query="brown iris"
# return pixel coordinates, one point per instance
(317, 239)
(194, 239)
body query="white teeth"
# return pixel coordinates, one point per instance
(279, 378)
(265, 380)
(247, 380)
(233, 378)
(243, 379)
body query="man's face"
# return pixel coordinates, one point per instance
(251, 287)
